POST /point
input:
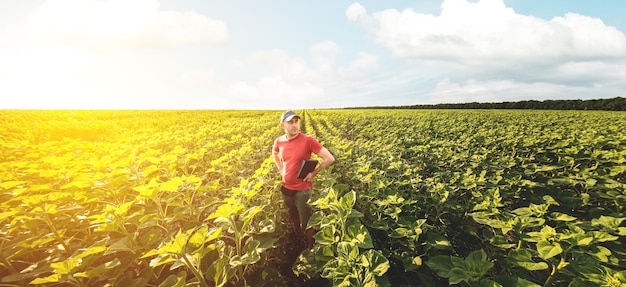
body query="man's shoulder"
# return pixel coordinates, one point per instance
(282, 138)
(300, 138)
(308, 137)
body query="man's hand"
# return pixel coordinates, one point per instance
(309, 177)
(327, 160)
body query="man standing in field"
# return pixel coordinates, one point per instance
(289, 151)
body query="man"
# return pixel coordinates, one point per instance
(289, 151)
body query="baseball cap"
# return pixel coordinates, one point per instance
(288, 115)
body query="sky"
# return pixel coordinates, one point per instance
(279, 54)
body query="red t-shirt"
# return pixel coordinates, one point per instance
(292, 152)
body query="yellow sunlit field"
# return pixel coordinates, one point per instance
(190, 198)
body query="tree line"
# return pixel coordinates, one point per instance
(612, 104)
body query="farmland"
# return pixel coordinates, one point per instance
(415, 198)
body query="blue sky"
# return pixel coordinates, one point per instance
(209, 54)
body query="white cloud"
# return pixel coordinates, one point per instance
(103, 54)
(505, 54)
(324, 54)
(197, 77)
(364, 63)
(287, 81)
(480, 33)
(121, 24)
(356, 12)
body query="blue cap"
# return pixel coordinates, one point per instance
(288, 115)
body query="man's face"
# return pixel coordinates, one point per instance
(291, 127)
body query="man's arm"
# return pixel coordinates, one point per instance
(327, 160)
(277, 160)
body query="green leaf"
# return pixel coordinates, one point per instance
(251, 252)
(458, 275)
(476, 257)
(489, 283)
(50, 279)
(600, 252)
(347, 200)
(523, 211)
(485, 218)
(356, 214)
(338, 271)
(621, 276)
(11, 184)
(235, 261)
(212, 234)
(341, 188)
(147, 190)
(379, 225)
(437, 241)
(558, 216)
(548, 232)
(161, 259)
(174, 246)
(348, 251)
(171, 185)
(602, 236)
(459, 262)
(514, 282)
(101, 270)
(221, 272)
(612, 223)
(315, 220)
(375, 262)
(178, 280)
(266, 226)
(223, 211)
(523, 258)
(95, 249)
(148, 220)
(528, 222)
(548, 250)
(326, 236)
(549, 200)
(521, 282)
(581, 239)
(66, 266)
(122, 244)
(441, 264)
(266, 241)
(197, 237)
(305, 264)
(478, 263)
(149, 170)
(357, 233)
(502, 242)
(250, 213)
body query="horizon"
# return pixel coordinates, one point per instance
(326, 108)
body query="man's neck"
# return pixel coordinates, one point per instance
(289, 137)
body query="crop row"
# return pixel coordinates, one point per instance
(92, 198)
(189, 198)
(484, 197)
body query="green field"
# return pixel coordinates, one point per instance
(415, 198)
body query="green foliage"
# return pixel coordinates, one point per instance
(415, 198)
(139, 200)
(533, 190)
(457, 270)
(343, 246)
